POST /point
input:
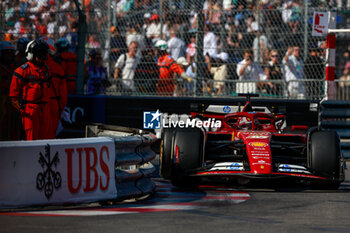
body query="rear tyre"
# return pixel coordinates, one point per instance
(187, 151)
(165, 153)
(324, 158)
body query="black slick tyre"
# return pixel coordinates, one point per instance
(187, 151)
(324, 159)
(165, 153)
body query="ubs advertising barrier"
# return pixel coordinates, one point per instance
(57, 171)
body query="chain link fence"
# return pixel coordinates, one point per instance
(216, 38)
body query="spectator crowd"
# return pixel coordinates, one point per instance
(248, 45)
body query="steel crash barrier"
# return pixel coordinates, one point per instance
(133, 155)
(110, 166)
(335, 115)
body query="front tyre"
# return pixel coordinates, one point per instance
(324, 158)
(165, 162)
(187, 155)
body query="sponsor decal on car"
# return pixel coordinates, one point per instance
(226, 109)
(258, 136)
(261, 154)
(262, 162)
(292, 168)
(235, 166)
(261, 157)
(258, 144)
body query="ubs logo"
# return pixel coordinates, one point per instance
(49, 179)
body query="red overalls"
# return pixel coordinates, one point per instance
(167, 68)
(69, 66)
(30, 86)
(58, 95)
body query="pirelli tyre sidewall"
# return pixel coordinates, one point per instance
(188, 145)
(325, 159)
(188, 142)
(165, 153)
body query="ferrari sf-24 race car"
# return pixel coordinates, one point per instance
(251, 145)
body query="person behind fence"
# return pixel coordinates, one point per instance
(314, 74)
(191, 72)
(97, 74)
(234, 42)
(275, 74)
(219, 73)
(154, 29)
(9, 127)
(248, 70)
(58, 90)
(191, 47)
(210, 45)
(180, 83)
(294, 71)
(118, 45)
(146, 73)
(145, 26)
(124, 71)
(167, 69)
(176, 46)
(134, 34)
(30, 92)
(68, 61)
(260, 46)
(206, 82)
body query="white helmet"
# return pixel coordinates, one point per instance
(161, 45)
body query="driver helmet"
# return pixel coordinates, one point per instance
(245, 123)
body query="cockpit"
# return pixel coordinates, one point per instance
(251, 121)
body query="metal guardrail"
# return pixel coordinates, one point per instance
(335, 115)
(281, 89)
(310, 89)
(133, 153)
(313, 89)
(342, 89)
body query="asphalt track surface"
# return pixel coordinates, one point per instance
(277, 207)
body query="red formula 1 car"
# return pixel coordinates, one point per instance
(250, 145)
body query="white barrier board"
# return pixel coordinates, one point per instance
(57, 171)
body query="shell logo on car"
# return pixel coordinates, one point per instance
(258, 144)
